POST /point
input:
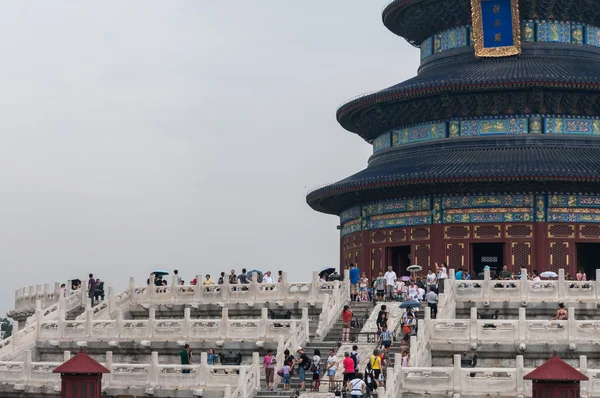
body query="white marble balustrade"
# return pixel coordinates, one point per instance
(481, 331)
(150, 375)
(186, 328)
(475, 381)
(524, 290)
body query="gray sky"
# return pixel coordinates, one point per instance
(180, 134)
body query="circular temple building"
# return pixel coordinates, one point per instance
(490, 155)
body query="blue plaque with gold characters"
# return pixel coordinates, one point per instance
(496, 28)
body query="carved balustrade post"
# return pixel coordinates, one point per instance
(347, 283)
(427, 322)
(111, 300)
(83, 295)
(198, 290)
(69, 287)
(66, 356)
(256, 369)
(38, 292)
(185, 326)
(151, 289)
(57, 292)
(39, 315)
(571, 326)
(254, 288)
(583, 368)
(119, 324)
(224, 291)
(46, 301)
(314, 286)
(520, 387)
(151, 323)
(412, 358)
(487, 285)
(202, 375)
(16, 337)
(224, 329)
(62, 305)
(293, 329)
(174, 288)
(61, 323)
(562, 286)
(282, 288)
(523, 285)
(474, 335)
(153, 371)
(305, 322)
(457, 374)
(242, 382)
(106, 380)
(522, 326)
(390, 379)
(89, 317)
(132, 289)
(264, 319)
(227, 392)
(26, 366)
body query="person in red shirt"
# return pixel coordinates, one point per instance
(348, 367)
(346, 319)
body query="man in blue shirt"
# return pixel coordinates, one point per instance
(354, 275)
(459, 274)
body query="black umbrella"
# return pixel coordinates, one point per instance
(326, 271)
(410, 304)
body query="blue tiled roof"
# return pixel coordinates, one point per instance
(495, 159)
(372, 114)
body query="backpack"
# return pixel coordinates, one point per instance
(355, 359)
(220, 282)
(306, 365)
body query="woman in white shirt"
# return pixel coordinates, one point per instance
(431, 280)
(442, 274)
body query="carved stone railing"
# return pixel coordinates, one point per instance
(523, 290)
(333, 305)
(520, 331)
(147, 376)
(420, 345)
(188, 329)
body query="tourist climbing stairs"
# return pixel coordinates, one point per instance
(361, 311)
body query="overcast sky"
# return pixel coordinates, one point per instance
(182, 134)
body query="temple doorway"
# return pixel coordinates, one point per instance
(400, 259)
(490, 254)
(587, 258)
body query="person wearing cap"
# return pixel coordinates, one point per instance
(303, 365)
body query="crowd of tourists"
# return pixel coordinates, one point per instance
(95, 288)
(243, 278)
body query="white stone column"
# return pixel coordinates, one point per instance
(66, 356)
(202, 375)
(39, 315)
(61, 324)
(474, 324)
(520, 373)
(152, 289)
(198, 290)
(225, 289)
(583, 368)
(16, 338)
(571, 326)
(57, 291)
(487, 285)
(26, 366)
(253, 287)
(347, 283)
(306, 323)
(457, 374)
(314, 285)
(523, 284)
(106, 379)
(132, 289)
(174, 288)
(111, 300)
(412, 358)
(118, 324)
(151, 322)
(89, 317)
(390, 379)
(153, 371)
(185, 324)
(282, 288)
(562, 296)
(522, 326)
(256, 366)
(46, 296)
(264, 319)
(224, 330)
(242, 381)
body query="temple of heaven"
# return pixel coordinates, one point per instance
(490, 155)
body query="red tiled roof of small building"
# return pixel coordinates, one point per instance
(555, 369)
(81, 363)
